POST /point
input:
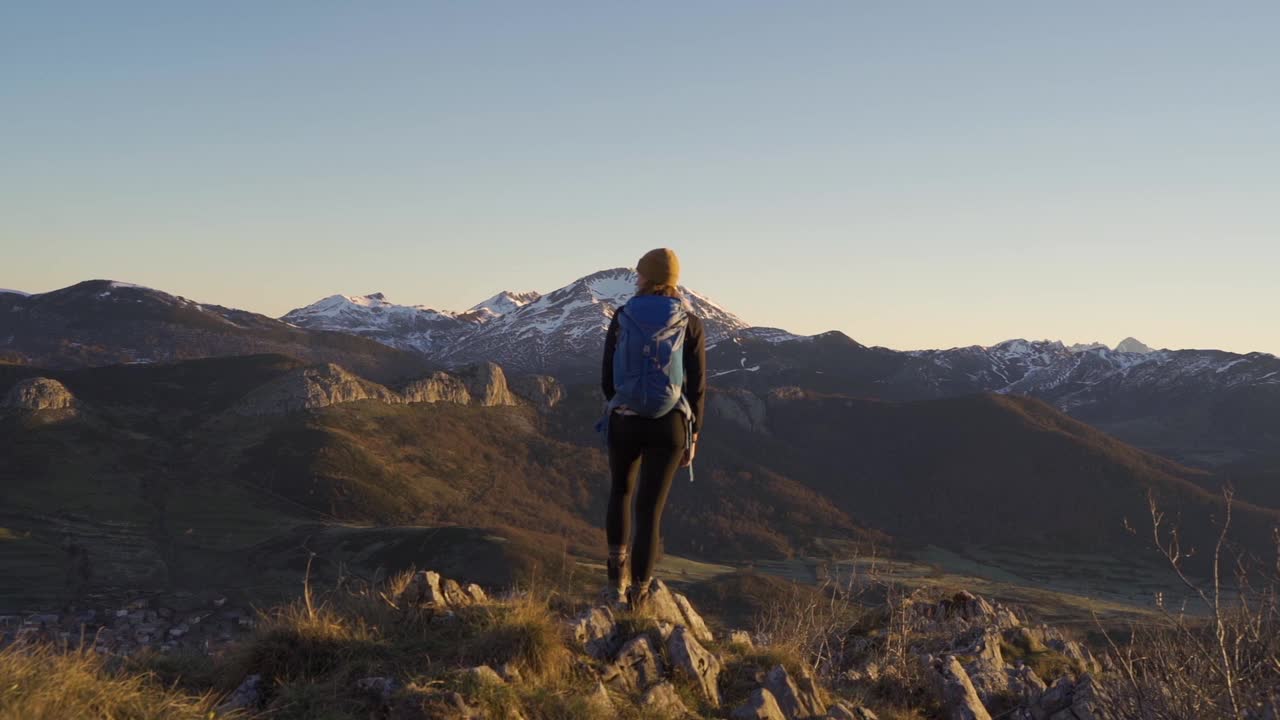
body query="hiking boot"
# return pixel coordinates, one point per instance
(619, 578)
(638, 595)
(613, 599)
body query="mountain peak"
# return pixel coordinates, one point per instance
(1133, 345)
(503, 303)
(1085, 347)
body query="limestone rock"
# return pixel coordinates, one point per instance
(312, 387)
(1006, 618)
(39, 393)
(692, 619)
(663, 700)
(665, 605)
(760, 706)
(510, 673)
(476, 594)
(740, 407)
(245, 697)
(987, 670)
(797, 697)
(487, 384)
(485, 675)
(438, 387)
(1077, 652)
(380, 687)
(453, 594)
(688, 656)
(597, 631)
(1089, 700)
(542, 391)
(1073, 700)
(637, 666)
(959, 699)
(1025, 684)
(964, 605)
(423, 589)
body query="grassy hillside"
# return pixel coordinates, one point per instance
(156, 482)
(983, 470)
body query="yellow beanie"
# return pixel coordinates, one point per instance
(660, 267)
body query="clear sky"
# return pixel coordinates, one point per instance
(915, 174)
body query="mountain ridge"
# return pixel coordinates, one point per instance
(1204, 407)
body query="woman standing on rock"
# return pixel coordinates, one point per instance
(653, 376)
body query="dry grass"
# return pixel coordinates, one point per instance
(1216, 655)
(525, 634)
(312, 652)
(43, 683)
(294, 643)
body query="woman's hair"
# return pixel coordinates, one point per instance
(648, 288)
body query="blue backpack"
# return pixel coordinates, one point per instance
(648, 362)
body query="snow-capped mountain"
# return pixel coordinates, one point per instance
(1203, 406)
(408, 327)
(557, 333)
(1200, 406)
(563, 331)
(502, 303)
(1132, 345)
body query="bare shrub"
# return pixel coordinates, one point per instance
(814, 625)
(1215, 654)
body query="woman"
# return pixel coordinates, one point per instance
(653, 375)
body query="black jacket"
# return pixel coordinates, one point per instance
(695, 364)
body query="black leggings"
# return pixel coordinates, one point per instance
(650, 449)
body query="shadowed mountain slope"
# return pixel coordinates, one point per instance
(159, 480)
(101, 322)
(982, 469)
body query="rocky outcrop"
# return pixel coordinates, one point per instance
(39, 393)
(485, 675)
(952, 685)
(638, 666)
(246, 696)
(667, 606)
(974, 654)
(427, 588)
(760, 706)
(797, 697)
(484, 384)
(487, 385)
(662, 701)
(597, 632)
(541, 391)
(740, 407)
(987, 669)
(310, 388)
(1070, 699)
(320, 386)
(696, 663)
(437, 387)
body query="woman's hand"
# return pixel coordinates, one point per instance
(689, 452)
